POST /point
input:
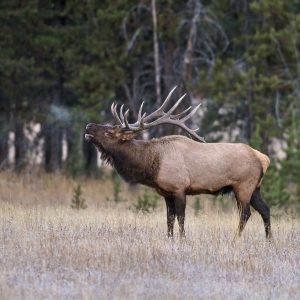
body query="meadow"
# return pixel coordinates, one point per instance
(107, 251)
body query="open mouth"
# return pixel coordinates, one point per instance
(88, 136)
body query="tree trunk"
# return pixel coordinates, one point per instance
(187, 59)
(55, 123)
(53, 147)
(4, 150)
(156, 54)
(20, 146)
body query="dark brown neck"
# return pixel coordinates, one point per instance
(136, 161)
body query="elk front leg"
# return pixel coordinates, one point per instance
(180, 204)
(170, 215)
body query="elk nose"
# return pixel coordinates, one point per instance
(90, 126)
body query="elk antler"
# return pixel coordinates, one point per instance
(157, 117)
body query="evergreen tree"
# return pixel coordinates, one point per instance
(78, 202)
(63, 61)
(17, 72)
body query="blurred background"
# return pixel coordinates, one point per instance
(62, 64)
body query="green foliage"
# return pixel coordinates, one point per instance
(197, 206)
(75, 161)
(256, 140)
(146, 203)
(281, 184)
(274, 187)
(78, 202)
(291, 166)
(116, 180)
(117, 188)
(251, 80)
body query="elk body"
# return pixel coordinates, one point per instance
(177, 166)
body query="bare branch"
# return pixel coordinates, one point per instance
(277, 105)
(131, 42)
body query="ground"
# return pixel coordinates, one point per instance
(50, 251)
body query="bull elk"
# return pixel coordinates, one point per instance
(177, 166)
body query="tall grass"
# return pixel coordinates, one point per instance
(50, 251)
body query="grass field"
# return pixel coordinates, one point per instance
(50, 251)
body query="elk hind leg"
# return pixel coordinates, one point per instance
(245, 214)
(170, 215)
(263, 209)
(243, 199)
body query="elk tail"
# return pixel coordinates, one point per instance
(265, 162)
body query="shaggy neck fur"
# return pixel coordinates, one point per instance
(105, 155)
(134, 160)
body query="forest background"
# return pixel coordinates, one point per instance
(63, 62)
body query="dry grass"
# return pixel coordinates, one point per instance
(49, 251)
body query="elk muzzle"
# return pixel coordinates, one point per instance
(90, 131)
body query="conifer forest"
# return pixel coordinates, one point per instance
(63, 63)
(70, 226)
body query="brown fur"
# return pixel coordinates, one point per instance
(177, 166)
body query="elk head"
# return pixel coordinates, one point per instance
(105, 136)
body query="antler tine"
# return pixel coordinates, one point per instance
(112, 108)
(176, 117)
(140, 116)
(159, 112)
(127, 125)
(161, 117)
(115, 114)
(140, 111)
(121, 113)
(167, 114)
(190, 114)
(167, 118)
(192, 132)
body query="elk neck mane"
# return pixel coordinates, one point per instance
(136, 161)
(105, 155)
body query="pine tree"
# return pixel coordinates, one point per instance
(290, 170)
(78, 202)
(17, 72)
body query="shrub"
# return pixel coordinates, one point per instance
(146, 203)
(117, 188)
(197, 206)
(78, 202)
